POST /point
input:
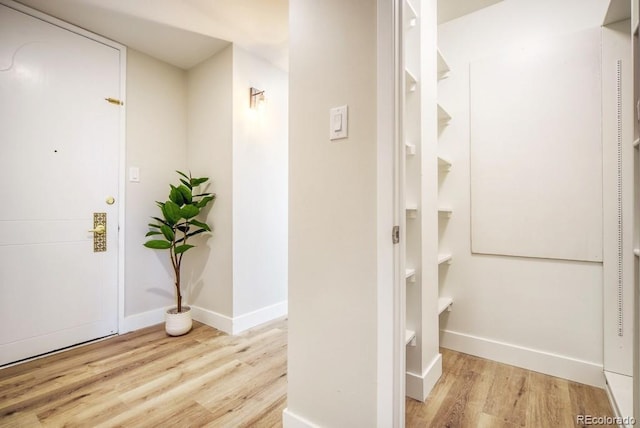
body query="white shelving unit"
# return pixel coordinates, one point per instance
(445, 258)
(443, 116)
(444, 303)
(443, 67)
(443, 164)
(410, 275)
(444, 211)
(410, 337)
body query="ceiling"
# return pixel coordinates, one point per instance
(186, 32)
(182, 33)
(452, 9)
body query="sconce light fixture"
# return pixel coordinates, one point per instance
(256, 98)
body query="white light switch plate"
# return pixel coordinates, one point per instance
(338, 123)
(134, 174)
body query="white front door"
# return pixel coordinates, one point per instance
(59, 155)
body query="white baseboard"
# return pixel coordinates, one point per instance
(291, 420)
(214, 319)
(418, 387)
(240, 323)
(543, 362)
(261, 316)
(143, 320)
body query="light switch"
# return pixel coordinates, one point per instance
(134, 174)
(338, 123)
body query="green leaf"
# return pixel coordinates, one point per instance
(159, 220)
(158, 244)
(183, 174)
(204, 201)
(176, 196)
(198, 181)
(184, 228)
(157, 226)
(186, 183)
(197, 232)
(182, 248)
(186, 194)
(171, 212)
(204, 226)
(189, 235)
(153, 232)
(167, 232)
(189, 211)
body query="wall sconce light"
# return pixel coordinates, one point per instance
(256, 98)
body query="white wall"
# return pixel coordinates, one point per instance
(209, 130)
(332, 216)
(538, 313)
(260, 196)
(156, 133)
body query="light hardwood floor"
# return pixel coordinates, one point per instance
(146, 379)
(207, 378)
(474, 392)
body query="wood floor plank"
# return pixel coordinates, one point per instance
(508, 397)
(208, 378)
(478, 393)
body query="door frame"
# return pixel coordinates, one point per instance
(391, 293)
(121, 132)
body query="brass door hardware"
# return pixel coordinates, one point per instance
(99, 232)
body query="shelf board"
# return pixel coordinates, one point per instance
(443, 116)
(412, 212)
(636, 251)
(443, 67)
(410, 337)
(409, 149)
(636, 143)
(444, 258)
(411, 81)
(443, 164)
(444, 303)
(410, 275)
(411, 16)
(445, 211)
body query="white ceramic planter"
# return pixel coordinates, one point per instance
(177, 324)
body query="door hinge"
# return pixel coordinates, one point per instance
(114, 101)
(395, 234)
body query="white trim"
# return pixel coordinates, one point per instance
(419, 386)
(212, 319)
(619, 389)
(122, 143)
(142, 320)
(291, 420)
(260, 316)
(122, 188)
(390, 332)
(240, 323)
(532, 359)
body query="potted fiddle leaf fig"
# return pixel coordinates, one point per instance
(172, 232)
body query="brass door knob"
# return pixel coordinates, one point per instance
(99, 229)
